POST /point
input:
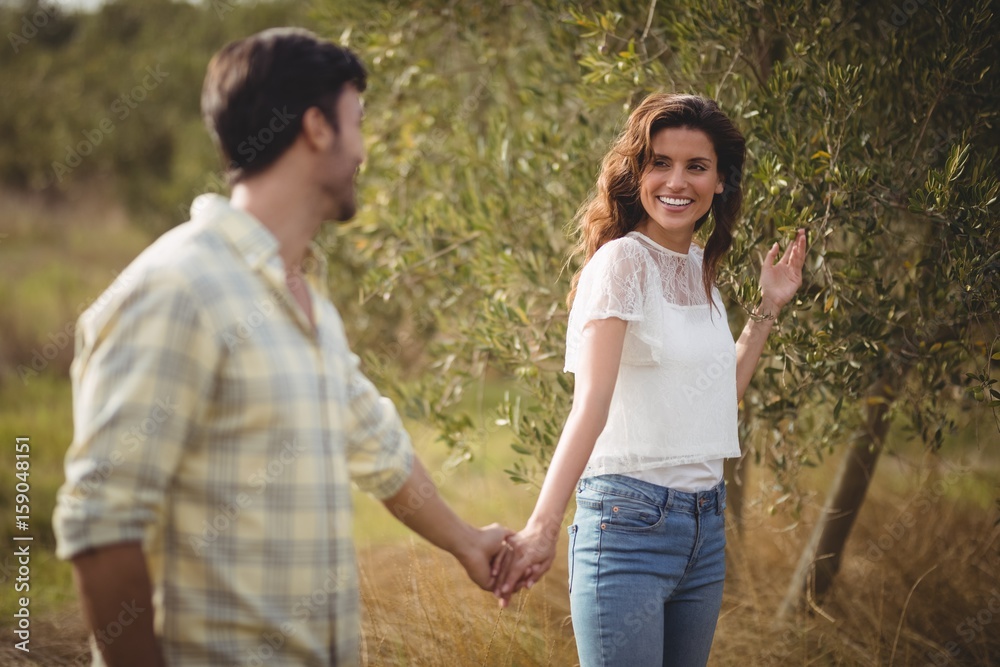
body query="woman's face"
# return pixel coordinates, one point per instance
(678, 187)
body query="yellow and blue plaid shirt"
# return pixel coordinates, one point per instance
(217, 426)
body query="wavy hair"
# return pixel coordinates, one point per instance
(615, 208)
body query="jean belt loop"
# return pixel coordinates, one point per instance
(718, 498)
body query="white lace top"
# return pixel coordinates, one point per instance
(675, 398)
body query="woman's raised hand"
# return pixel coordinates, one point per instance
(780, 280)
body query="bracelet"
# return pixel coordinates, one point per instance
(762, 318)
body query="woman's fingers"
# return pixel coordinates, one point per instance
(513, 574)
(501, 564)
(800, 248)
(499, 559)
(772, 254)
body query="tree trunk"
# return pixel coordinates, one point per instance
(735, 473)
(820, 560)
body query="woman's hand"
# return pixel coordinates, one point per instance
(528, 556)
(779, 281)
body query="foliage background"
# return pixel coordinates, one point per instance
(871, 124)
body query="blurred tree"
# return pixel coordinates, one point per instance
(80, 106)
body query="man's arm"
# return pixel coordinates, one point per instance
(143, 367)
(114, 588)
(418, 505)
(381, 462)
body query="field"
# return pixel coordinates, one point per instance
(909, 593)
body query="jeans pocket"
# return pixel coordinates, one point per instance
(572, 551)
(589, 498)
(629, 514)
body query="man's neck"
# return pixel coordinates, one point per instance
(292, 216)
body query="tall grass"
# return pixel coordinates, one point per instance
(56, 257)
(909, 605)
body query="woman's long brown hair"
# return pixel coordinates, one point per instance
(615, 208)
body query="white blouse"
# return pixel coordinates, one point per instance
(673, 413)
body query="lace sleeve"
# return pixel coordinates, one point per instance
(620, 281)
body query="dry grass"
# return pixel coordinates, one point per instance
(905, 607)
(419, 609)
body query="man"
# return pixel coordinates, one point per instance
(219, 413)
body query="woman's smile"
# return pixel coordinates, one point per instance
(678, 187)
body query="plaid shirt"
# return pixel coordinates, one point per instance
(215, 425)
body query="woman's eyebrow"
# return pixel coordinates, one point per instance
(661, 156)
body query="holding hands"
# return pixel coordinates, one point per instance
(526, 557)
(485, 547)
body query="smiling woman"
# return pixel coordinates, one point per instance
(664, 130)
(677, 190)
(658, 380)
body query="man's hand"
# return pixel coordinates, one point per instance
(418, 505)
(479, 553)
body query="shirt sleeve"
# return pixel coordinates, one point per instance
(379, 453)
(144, 365)
(618, 281)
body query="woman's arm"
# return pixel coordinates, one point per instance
(532, 550)
(778, 284)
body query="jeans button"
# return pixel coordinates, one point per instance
(614, 509)
(602, 526)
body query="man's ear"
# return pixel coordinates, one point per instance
(316, 129)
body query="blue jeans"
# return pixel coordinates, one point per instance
(646, 570)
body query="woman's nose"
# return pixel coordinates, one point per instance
(675, 179)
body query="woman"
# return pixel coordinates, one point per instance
(658, 380)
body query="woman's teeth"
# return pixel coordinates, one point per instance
(674, 201)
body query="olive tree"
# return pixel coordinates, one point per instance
(872, 125)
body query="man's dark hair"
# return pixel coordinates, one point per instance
(257, 89)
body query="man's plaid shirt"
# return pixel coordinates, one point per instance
(215, 425)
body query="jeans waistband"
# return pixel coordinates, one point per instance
(694, 502)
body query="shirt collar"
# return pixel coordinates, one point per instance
(255, 242)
